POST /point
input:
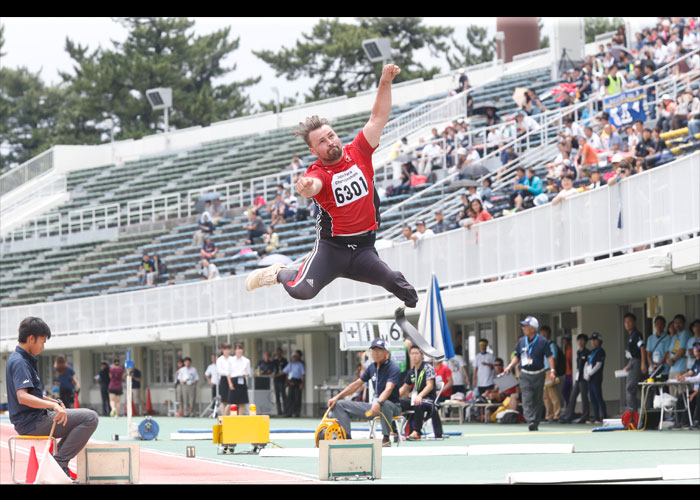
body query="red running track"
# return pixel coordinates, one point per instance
(158, 467)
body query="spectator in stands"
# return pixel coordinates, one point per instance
(649, 79)
(259, 206)
(209, 270)
(407, 170)
(206, 227)
(472, 164)
(217, 211)
(159, 268)
(555, 167)
(440, 225)
(508, 154)
(587, 156)
(666, 109)
(430, 157)
(422, 231)
(255, 227)
(595, 180)
(294, 164)
(611, 139)
(592, 138)
(629, 142)
(636, 79)
(680, 117)
(271, 240)
(567, 189)
(485, 191)
(144, 269)
(534, 183)
(290, 205)
(622, 169)
(209, 249)
(694, 117)
(583, 84)
(533, 105)
(406, 235)
(646, 146)
(463, 82)
(277, 210)
(481, 213)
(614, 83)
(525, 124)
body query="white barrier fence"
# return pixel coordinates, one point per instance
(654, 206)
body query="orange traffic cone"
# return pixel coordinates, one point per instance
(149, 406)
(32, 467)
(76, 401)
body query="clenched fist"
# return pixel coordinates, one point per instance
(390, 71)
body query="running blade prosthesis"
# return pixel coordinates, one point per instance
(329, 428)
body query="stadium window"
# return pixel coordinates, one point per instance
(162, 365)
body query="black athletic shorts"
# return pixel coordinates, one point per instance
(351, 257)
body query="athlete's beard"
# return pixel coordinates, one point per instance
(334, 154)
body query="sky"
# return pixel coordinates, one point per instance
(38, 44)
(46, 52)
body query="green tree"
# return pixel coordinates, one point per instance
(484, 49)
(158, 52)
(597, 25)
(544, 40)
(332, 54)
(28, 115)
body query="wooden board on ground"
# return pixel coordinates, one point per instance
(109, 463)
(350, 458)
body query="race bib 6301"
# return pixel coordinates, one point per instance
(349, 186)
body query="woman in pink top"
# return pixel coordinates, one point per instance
(115, 388)
(481, 213)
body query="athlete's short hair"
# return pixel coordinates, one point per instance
(32, 326)
(309, 125)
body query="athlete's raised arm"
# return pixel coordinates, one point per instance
(382, 106)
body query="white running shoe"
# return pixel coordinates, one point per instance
(263, 277)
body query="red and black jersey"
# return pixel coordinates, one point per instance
(348, 203)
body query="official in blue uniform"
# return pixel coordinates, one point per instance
(384, 376)
(530, 353)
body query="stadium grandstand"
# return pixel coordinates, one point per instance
(592, 211)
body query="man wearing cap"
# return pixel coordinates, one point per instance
(383, 377)
(422, 231)
(667, 109)
(593, 374)
(621, 167)
(530, 353)
(580, 384)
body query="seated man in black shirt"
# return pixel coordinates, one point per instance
(418, 393)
